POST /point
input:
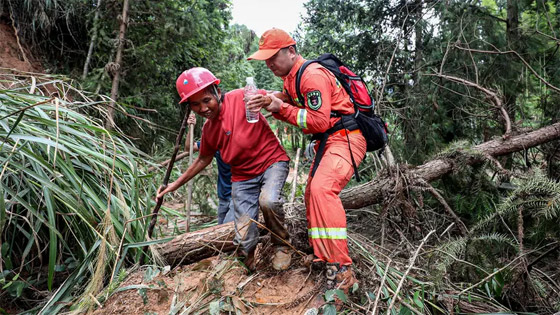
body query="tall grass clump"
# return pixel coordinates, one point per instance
(70, 193)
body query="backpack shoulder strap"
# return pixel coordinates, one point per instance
(298, 80)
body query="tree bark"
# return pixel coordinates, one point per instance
(418, 41)
(93, 39)
(372, 192)
(194, 246)
(116, 69)
(513, 39)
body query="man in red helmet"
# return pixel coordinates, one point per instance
(259, 167)
(323, 95)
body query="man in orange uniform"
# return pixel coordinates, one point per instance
(323, 95)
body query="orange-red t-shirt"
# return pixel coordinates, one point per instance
(249, 148)
(322, 94)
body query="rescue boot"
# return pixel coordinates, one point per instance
(345, 279)
(281, 258)
(340, 278)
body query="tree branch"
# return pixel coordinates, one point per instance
(372, 192)
(496, 100)
(498, 52)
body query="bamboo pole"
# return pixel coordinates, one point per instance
(294, 181)
(168, 172)
(93, 39)
(116, 68)
(190, 184)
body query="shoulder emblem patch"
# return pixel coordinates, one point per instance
(314, 100)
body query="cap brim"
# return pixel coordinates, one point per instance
(263, 54)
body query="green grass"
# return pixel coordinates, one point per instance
(70, 190)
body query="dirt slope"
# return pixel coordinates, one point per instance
(11, 55)
(217, 282)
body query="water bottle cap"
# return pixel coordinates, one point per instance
(250, 80)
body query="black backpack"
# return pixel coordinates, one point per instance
(372, 126)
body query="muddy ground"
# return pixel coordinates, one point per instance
(217, 283)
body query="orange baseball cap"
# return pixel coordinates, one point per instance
(271, 42)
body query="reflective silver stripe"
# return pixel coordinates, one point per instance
(302, 118)
(327, 233)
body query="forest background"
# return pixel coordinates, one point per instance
(446, 75)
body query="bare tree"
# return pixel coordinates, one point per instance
(93, 39)
(115, 67)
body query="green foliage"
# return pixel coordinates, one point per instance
(12, 285)
(163, 38)
(328, 309)
(331, 295)
(233, 66)
(539, 200)
(525, 224)
(456, 249)
(414, 39)
(66, 183)
(62, 171)
(471, 189)
(416, 291)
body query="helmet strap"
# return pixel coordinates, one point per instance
(215, 93)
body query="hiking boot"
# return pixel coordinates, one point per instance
(282, 258)
(345, 279)
(340, 278)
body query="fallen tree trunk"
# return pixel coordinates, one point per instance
(201, 244)
(372, 192)
(194, 246)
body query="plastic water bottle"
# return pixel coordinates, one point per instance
(249, 91)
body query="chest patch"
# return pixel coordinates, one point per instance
(314, 100)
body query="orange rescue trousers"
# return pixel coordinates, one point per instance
(326, 217)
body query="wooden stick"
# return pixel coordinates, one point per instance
(294, 181)
(169, 168)
(408, 270)
(378, 295)
(190, 184)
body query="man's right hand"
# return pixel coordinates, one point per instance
(275, 104)
(162, 190)
(258, 101)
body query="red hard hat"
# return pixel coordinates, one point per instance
(194, 80)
